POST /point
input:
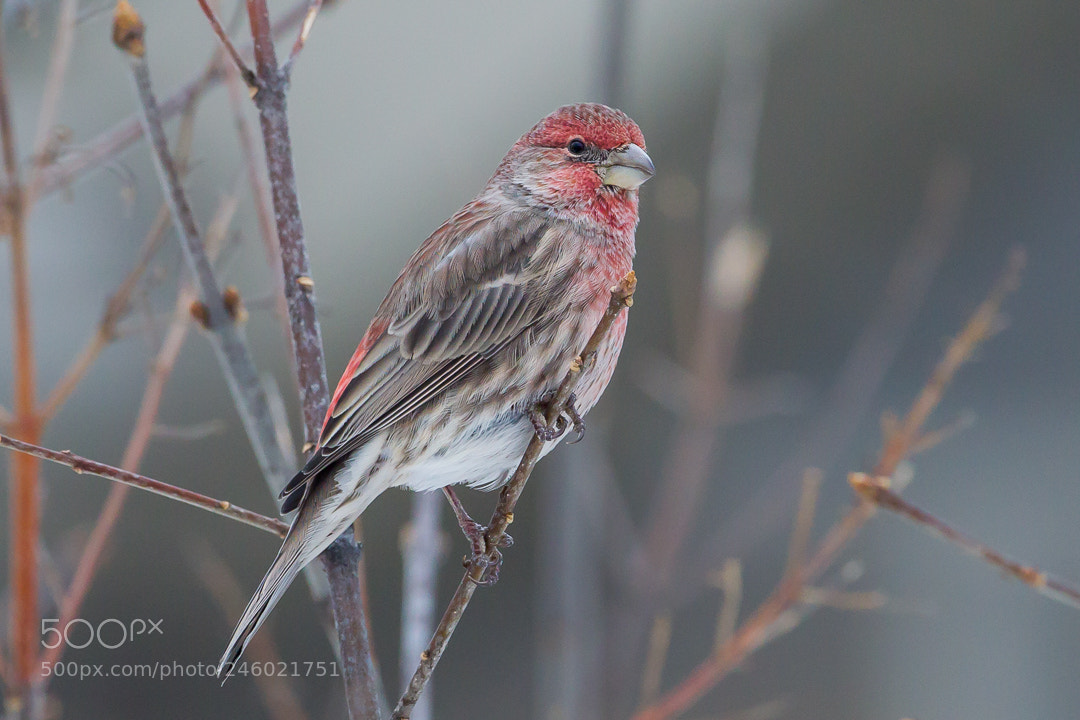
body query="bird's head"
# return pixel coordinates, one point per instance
(584, 160)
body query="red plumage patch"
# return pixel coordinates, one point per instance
(596, 124)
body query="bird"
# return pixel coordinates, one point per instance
(477, 331)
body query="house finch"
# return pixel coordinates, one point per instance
(478, 330)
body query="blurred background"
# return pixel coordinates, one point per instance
(883, 156)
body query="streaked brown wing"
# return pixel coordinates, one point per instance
(462, 305)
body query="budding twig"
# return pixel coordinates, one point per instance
(622, 297)
(876, 490)
(761, 627)
(84, 465)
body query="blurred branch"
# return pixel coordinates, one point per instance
(60, 57)
(865, 366)
(768, 621)
(84, 465)
(116, 307)
(613, 25)
(421, 549)
(622, 296)
(876, 490)
(24, 493)
(145, 428)
(109, 143)
(277, 692)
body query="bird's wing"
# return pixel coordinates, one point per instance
(463, 296)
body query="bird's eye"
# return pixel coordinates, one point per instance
(576, 146)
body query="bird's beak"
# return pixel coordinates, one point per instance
(627, 168)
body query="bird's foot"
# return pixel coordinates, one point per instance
(576, 421)
(482, 555)
(568, 418)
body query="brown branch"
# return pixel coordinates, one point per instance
(759, 628)
(219, 30)
(91, 467)
(876, 490)
(260, 195)
(109, 143)
(24, 498)
(301, 38)
(622, 296)
(296, 269)
(115, 308)
(342, 560)
(144, 430)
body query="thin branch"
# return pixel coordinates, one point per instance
(762, 626)
(296, 268)
(91, 467)
(60, 57)
(83, 465)
(342, 560)
(865, 367)
(876, 490)
(144, 430)
(228, 342)
(421, 549)
(103, 148)
(115, 308)
(24, 498)
(622, 297)
(301, 38)
(245, 72)
(260, 195)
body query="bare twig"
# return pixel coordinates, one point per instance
(761, 627)
(109, 143)
(91, 467)
(144, 430)
(245, 72)
(50, 98)
(421, 549)
(299, 287)
(24, 509)
(865, 366)
(876, 490)
(228, 342)
(301, 38)
(117, 306)
(621, 298)
(260, 194)
(343, 560)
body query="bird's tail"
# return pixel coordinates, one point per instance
(322, 517)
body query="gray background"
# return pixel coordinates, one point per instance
(399, 113)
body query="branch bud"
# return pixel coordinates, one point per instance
(128, 29)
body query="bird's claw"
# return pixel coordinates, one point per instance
(568, 418)
(576, 421)
(482, 555)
